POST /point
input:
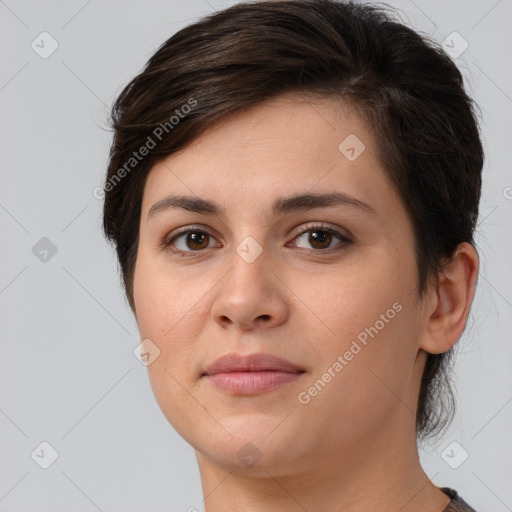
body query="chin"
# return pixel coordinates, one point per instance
(253, 446)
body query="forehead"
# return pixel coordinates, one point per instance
(288, 145)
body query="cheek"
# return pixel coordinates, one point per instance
(167, 314)
(371, 382)
(171, 312)
(166, 303)
(360, 302)
(371, 316)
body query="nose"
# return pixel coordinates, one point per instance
(250, 296)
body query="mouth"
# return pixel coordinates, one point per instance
(251, 374)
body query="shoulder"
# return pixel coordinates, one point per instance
(457, 504)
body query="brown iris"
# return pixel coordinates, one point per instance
(320, 237)
(199, 238)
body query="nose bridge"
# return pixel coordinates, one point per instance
(249, 261)
(248, 293)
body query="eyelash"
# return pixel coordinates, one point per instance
(344, 240)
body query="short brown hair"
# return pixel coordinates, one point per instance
(406, 89)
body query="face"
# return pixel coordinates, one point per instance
(311, 304)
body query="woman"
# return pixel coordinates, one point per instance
(292, 192)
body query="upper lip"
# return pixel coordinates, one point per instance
(250, 363)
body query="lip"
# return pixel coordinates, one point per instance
(251, 374)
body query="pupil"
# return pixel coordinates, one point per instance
(315, 238)
(197, 238)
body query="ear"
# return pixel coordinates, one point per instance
(450, 301)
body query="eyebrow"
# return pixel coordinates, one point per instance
(283, 205)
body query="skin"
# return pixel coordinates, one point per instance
(349, 446)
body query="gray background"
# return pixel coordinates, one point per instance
(68, 375)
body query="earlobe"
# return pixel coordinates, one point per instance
(452, 297)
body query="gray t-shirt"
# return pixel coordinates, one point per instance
(457, 504)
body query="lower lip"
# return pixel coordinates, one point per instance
(251, 383)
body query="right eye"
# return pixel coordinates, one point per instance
(188, 241)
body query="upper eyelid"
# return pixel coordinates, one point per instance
(308, 226)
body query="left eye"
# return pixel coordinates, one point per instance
(320, 237)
